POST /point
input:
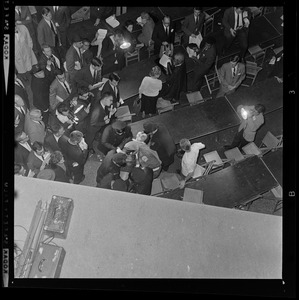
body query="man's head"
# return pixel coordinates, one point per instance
(97, 63)
(35, 114)
(118, 37)
(141, 136)
(149, 127)
(57, 130)
(63, 108)
(46, 13)
(234, 60)
(47, 50)
(144, 17)
(119, 127)
(77, 41)
(178, 59)
(114, 79)
(85, 44)
(166, 21)
(107, 99)
(259, 109)
(185, 145)
(21, 137)
(38, 148)
(119, 159)
(76, 136)
(19, 101)
(129, 25)
(239, 9)
(60, 75)
(197, 11)
(210, 41)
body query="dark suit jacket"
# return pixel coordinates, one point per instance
(228, 20)
(110, 56)
(50, 75)
(163, 143)
(83, 78)
(21, 91)
(21, 154)
(22, 118)
(70, 58)
(107, 88)
(189, 27)
(45, 35)
(50, 143)
(56, 89)
(34, 163)
(73, 153)
(40, 91)
(159, 35)
(205, 59)
(97, 116)
(110, 140)
(60, 174)
(87, 56)
(62, 16)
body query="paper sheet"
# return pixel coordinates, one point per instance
(112, 21)
(197, 40)
(164, 60)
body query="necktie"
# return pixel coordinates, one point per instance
(237, 21)
(234, 71)
(115, 91)
(54, 62)
(52, 27)
(43, 157)
(94, 76)
(19, 12)
(67, 89)
(167, 32)
(23, 111)
(196, 21)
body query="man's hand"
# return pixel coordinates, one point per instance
(97, 22)
(182, 184)
(233, 32)
(231, 87)
(90, 87)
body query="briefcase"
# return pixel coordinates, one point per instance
(47, 262)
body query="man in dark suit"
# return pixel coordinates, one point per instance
(22, 149)
(193, 24)
(111, 86)
(204, 60)
(87, 54)
(61, 16)
(49, 62)
(21, 90)
(99, 117)
(73, 58)
(23, 17)
(75, 156)
(89, 76)
(236, 21)
(113, 55)
(162, 142)
(163, 35)
(53, 136)
(47, 33)
(40, 90)
(60, 90)
(21, 111)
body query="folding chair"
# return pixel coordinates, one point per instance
(234, 155)
(258, 54)
(178, 38)
(269, 143)
(193, 195)
(213, 78)
(218, 162)
(165, 106)
(134, 56)
(252, 71)
(195, 98)
(208, 25)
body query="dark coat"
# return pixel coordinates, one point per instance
(60, 174)
(50, 143)
(62, 16)
(163, 143)
(50, 75)
(107, 88)
(46, 36)
(21, 154)
(84, 78)
(73, 153)
(159, 35)
(110, 140)
(40, 90)
(189, 26)
(176, 83)
(98, 115)
(143, 187)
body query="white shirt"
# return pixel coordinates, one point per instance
(240, 20)
(21, 109)
(190, 158)
(56, 60)
(150, 86)
(114, 88)
(20, 83)
(56, 137)
(26, 146)
(78, 51)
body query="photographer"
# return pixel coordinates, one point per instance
(252, 120)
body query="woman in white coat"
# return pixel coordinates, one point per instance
(24, 55)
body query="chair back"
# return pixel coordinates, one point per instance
(270, 141)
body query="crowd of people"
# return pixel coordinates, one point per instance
(73, 106)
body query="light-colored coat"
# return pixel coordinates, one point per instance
(24, 55)
(34, 130)
(226, 78)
